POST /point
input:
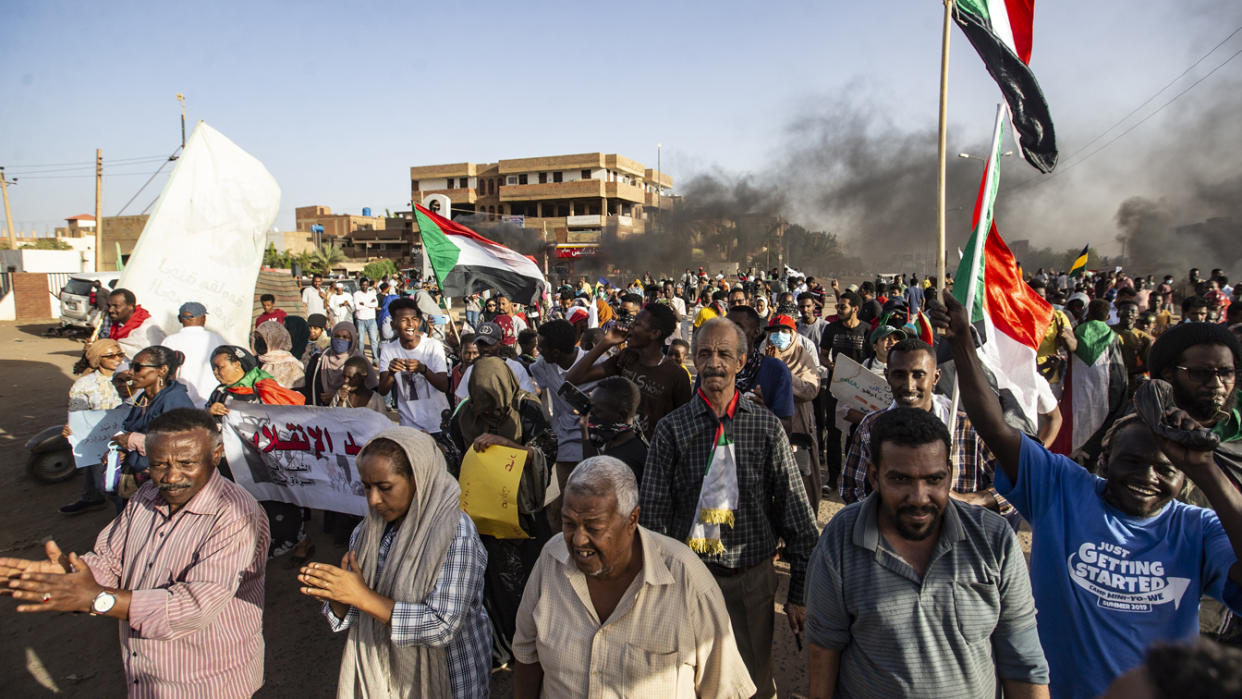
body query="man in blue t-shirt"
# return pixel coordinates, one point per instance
(767, 378)
(1116, 562)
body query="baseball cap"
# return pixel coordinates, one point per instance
(192, 309)
(488, 333)
(884, 331)
(781, 320)
(317, 320)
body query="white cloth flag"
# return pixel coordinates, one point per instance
(204, 241)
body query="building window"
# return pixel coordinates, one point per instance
(522, 178)
(491, 186)
(543, 178)
(511, 179)
(462, 183)
(414, 185)
(558, 176)
(586, 174)
(449, 184)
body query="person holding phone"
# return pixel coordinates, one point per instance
(416, 366)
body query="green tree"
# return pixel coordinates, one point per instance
(274, 258)
(324, 257)
(379, 269)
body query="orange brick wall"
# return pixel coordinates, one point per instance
(30, 296)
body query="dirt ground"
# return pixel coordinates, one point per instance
(78, 655)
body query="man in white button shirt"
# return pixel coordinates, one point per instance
(196, 342)
(315, 296)
(366, 304)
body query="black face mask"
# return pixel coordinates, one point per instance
(603, 434)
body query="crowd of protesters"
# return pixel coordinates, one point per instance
(680, 434)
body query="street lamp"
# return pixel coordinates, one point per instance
(968, 156)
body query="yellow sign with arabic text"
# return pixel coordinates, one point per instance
(489, 487)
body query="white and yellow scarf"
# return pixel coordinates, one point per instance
(718, 496)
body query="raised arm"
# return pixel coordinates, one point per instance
(977, 398)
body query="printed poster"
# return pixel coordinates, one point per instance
(300, 454)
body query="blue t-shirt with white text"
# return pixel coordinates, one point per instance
(1107, 585)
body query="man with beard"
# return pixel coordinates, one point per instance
(810, 325)
(720, 476)
(130, 324)
(614, 609)
(904, 586)
(1200, 361)
(1116, 563)
(912, 374)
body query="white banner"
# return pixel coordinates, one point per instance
(300, 455)
(92, 430)
(204, 241)
(856, 387)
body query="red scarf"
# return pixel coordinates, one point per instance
(119, 332)
(730, 410)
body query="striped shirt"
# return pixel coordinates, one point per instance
(951, 633)
(451, 616)
(974, 462)
(195, 626)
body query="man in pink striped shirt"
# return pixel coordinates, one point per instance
(182, 567)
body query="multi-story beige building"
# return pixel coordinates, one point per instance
(581, 199)
(334, 225)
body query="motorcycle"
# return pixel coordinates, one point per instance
(50, 458)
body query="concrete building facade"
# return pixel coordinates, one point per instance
(583, 199)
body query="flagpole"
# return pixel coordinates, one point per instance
(941, 155)
(983, 228)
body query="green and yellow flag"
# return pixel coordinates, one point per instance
(1080, 264)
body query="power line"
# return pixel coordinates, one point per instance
(71, 177)
(168, 160)
(1154, 95)
(32, 166)
(1038, 180)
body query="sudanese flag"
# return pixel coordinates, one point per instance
(465, 262)
(1000, 31)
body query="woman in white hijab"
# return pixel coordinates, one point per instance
(417, 627)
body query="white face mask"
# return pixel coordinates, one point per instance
(781, 339)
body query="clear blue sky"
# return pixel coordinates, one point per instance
(339, 99)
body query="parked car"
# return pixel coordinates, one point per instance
(78, 307)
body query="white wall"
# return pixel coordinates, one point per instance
(45, 261)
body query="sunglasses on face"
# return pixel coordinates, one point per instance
(1205, 375)
(145, 366)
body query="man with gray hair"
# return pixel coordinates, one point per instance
(721, 477)
(634, 613)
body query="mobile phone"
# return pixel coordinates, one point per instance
(579, 401)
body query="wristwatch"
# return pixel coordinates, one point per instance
(102, 603)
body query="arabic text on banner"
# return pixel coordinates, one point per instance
(489, 488)
(92, 430)
(301, 455)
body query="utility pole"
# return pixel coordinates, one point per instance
(8, 215)
(181, 99)
(780, 248)
(98, 210)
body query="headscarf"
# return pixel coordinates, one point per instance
(256, 381)
(98, 349)
(372, 665)
(299, 334)
(605, 312)
(332, 364)
(492, 387)
(277, 360)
